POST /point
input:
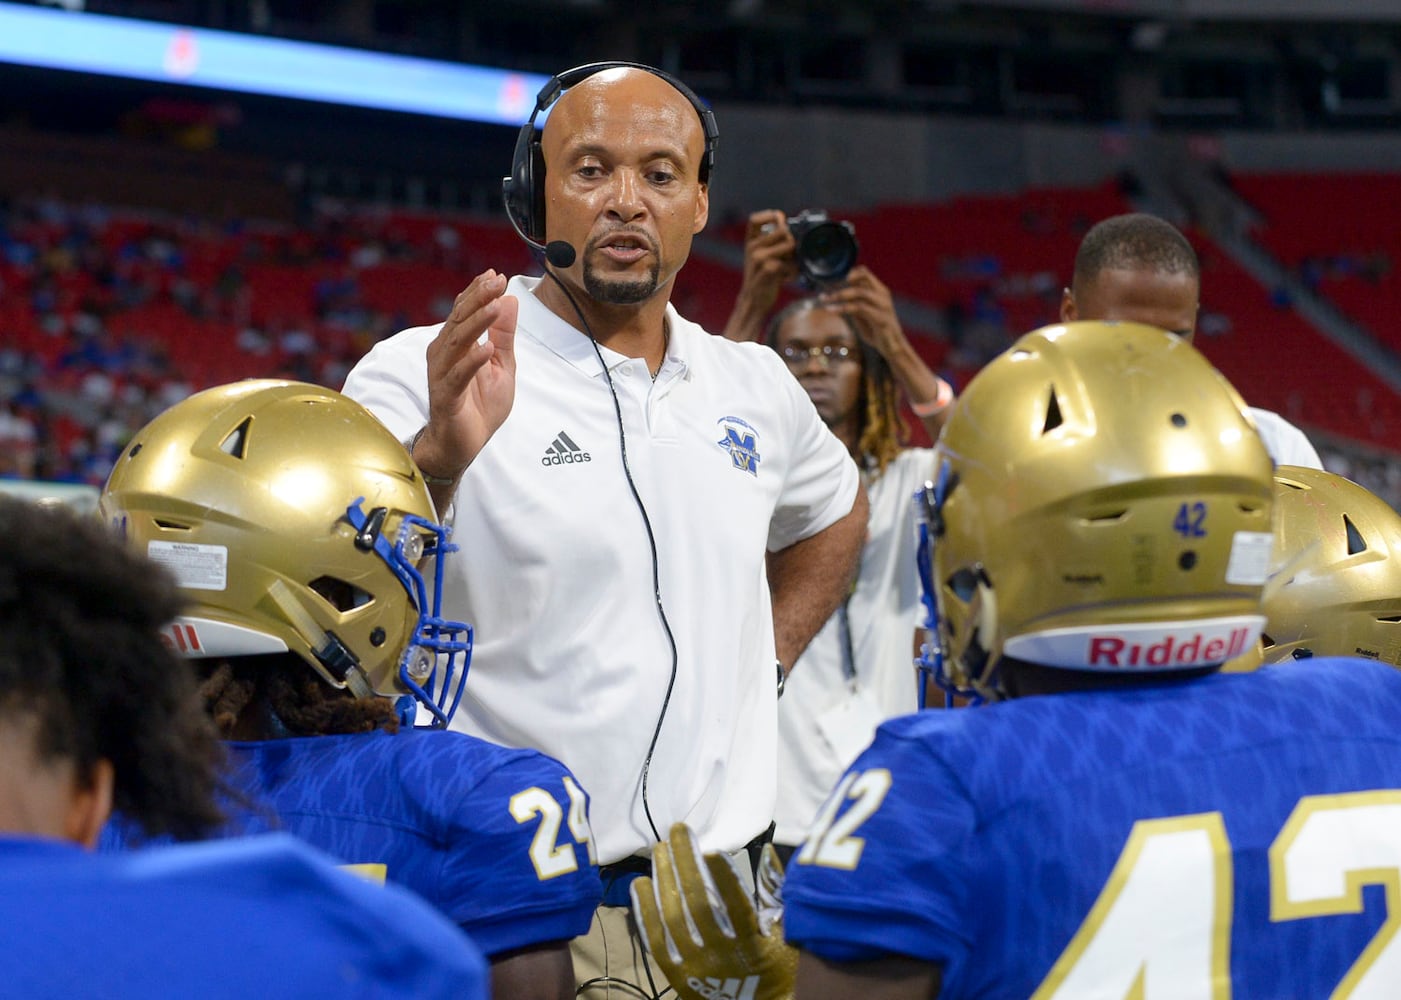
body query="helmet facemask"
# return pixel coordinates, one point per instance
(968, 598)
(428, 667)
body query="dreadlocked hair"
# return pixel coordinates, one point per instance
(884, 433)
(85, 666)
(281, 684)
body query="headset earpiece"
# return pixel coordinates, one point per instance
(524, 190)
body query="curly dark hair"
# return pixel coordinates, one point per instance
(1134, 242)
(280, 690)
(84, 663)
(883, 432)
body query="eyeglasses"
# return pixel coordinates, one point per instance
(829, 353)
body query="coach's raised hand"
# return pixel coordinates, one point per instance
(471, 381)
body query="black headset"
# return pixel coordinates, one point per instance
(524, 190)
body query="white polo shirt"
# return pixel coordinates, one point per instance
(555, 573)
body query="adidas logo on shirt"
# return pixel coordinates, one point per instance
(725, 989)
(564, 452)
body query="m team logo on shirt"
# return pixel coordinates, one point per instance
(565, 452)
(741, 441)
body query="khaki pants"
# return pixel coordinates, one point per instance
(610, 961)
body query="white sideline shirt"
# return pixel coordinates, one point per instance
(1286, 444)
(885, 614)
(555, 572)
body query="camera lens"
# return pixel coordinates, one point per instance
(826, 249)
(827, 252)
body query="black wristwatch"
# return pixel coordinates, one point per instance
(782, 675)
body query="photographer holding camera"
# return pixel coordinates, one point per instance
(820, 254)
(845, 346)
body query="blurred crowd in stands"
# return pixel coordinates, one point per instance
(109, 316)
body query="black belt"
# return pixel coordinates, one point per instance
(618, 876)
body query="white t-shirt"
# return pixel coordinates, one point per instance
(555, 571)
(823, 719)
(1286, 444)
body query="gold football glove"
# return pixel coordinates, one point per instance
(701, 927)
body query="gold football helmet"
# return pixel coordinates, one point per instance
(1336, 585)
(1102, 503)
(294, 521)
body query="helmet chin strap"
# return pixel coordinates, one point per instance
(972, 659)
(339, 661)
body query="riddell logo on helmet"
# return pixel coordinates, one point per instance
(1183, 644)
(182, 638)
(1172, 651)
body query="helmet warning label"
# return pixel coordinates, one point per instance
(1249, 564)
(195, 567)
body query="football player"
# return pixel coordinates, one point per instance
(297, 526)
(95, 711)
(1123, 819)
(1336, 587)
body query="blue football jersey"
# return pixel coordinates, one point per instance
(1233, 835)
(264, 917)
(496, 838)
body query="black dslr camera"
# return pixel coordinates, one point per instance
(825, 250)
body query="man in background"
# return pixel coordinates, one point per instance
(1137, 268)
